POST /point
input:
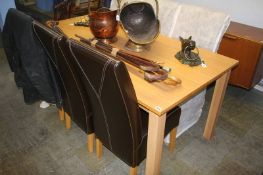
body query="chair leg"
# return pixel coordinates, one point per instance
(68, 121)
(133, 170)
(98, 148)
(172, 139)
(61, 114)
(90, 140)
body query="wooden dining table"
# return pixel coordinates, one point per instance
(158, 98)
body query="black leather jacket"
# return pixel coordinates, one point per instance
(28, 60)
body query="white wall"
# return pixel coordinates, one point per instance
(248, 12)
(4, 6)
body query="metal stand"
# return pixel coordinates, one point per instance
(136, 47)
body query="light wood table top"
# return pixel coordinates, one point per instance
(159, 97)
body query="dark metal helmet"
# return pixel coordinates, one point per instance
(139, 22)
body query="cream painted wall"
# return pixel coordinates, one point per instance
(248, 12)
(4, 6)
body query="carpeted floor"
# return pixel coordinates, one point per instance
(34, 142)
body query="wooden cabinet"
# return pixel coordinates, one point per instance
(244, 43)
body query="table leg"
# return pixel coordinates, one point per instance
(154, 143)
(218, 96)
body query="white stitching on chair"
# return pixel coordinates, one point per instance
(65, 90)
(81, 95)
(125, 108)
(44, 45)
(105, 118)
(103, 76)
(98, 97)
(139, 145)
(33, 26)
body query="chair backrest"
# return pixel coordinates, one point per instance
(84, 7)
(74, 98)
(167, 10)
(116, 114)
(47, 39)
(62, 10)
(206, 26)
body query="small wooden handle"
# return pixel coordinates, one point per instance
(230, 37)
(172, 81)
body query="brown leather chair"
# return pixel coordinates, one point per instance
(75, 104)
(84, 8)
(48, 37)
(62, 10)
(119, 123)
(67, 8)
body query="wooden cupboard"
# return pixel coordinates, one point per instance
(244, 43)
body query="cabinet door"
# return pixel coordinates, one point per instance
(248, 54)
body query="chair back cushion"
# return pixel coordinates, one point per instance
(206, 26)
(47, 38)
(167, 10)
(62, 10)
(75, 101)
(117, 120)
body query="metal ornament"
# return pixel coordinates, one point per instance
(186, 56)
(140, 23)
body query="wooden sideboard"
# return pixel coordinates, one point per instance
(244, 43)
